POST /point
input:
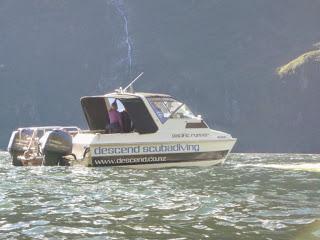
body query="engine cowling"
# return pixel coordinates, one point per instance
(54, 145)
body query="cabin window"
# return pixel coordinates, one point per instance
(166, 107)
(140, 116)
(96, 112)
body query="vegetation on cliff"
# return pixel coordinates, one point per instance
(295, 64)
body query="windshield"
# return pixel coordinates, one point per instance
(166, 107)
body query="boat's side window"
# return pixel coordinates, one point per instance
(166, 108)
(183, 112)
(141, 120)
(160, 109)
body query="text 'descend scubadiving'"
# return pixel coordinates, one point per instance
(162, 148)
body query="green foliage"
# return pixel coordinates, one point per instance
(296, 63)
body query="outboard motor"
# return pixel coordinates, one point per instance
(54, 146)
(15, 148)
(18, 143)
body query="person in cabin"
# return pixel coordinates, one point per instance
(126, 121)
(116, 125)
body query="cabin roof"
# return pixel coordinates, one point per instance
(129, 95)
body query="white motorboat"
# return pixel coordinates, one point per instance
(161, 132)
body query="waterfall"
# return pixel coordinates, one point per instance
(120, 8)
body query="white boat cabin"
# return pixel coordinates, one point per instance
(147, 112)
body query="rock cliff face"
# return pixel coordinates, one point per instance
(220, 57)
(299, 110)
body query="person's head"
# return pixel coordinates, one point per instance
(114, 106)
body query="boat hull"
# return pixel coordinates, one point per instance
(159, 155)
(164, 160)
(131, 150)
(204, 163)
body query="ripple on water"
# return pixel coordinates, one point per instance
(251, 195)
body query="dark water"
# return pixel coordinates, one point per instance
(252, 196)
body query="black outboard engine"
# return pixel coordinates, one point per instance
(54, 146)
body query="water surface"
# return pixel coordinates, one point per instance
(252, 196)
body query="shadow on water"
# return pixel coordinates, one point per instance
(265, 196)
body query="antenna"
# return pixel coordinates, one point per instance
(132, 82)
